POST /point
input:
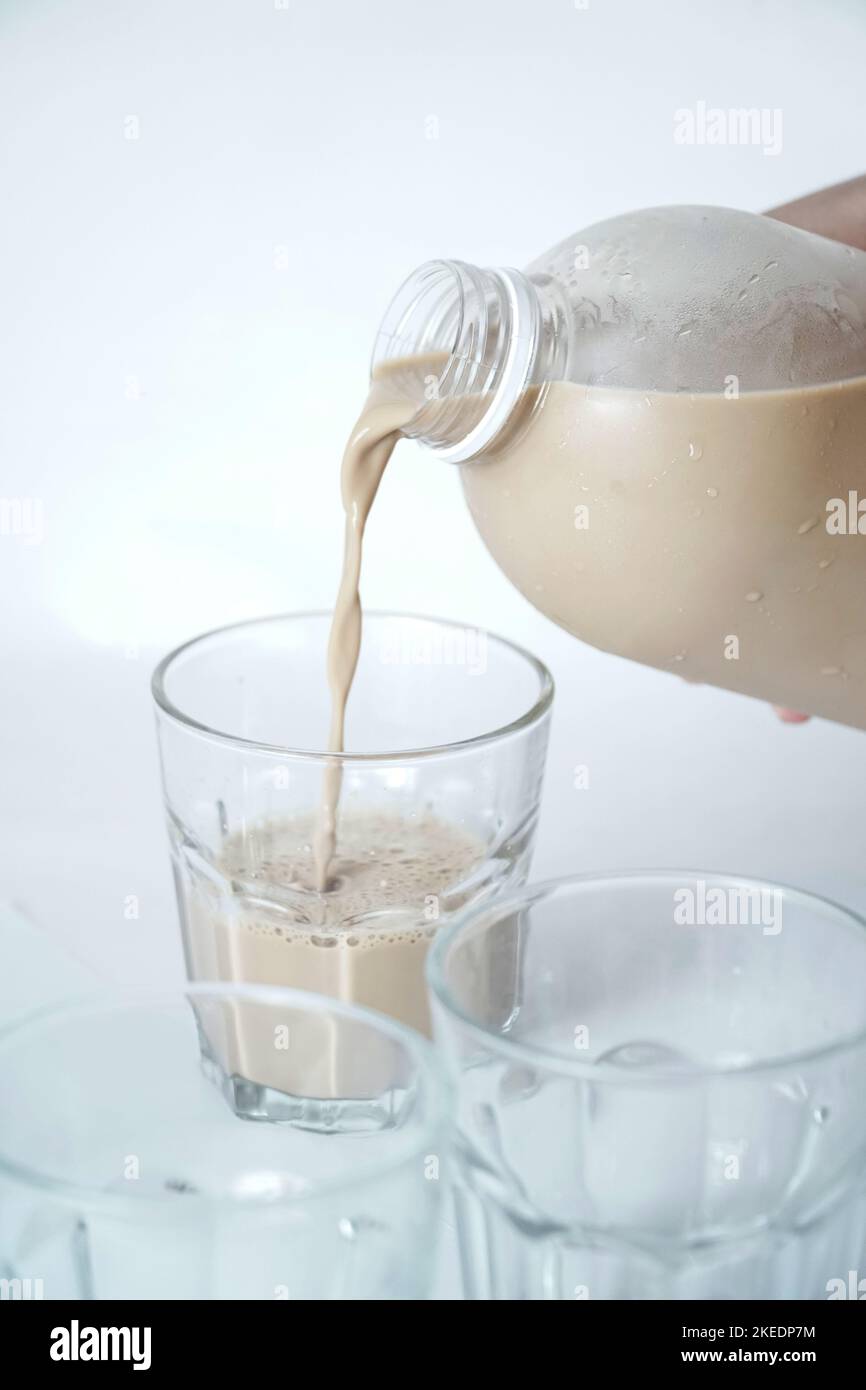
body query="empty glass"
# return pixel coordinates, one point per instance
(447, 730)
(661, 1089)
(124, 1172)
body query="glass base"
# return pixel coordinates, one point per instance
(324, 1115)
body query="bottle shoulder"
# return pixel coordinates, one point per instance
(685, 298)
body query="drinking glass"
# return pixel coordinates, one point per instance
(124, 1173)
(661, 1089)
(447, 730)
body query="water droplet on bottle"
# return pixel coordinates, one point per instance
(754, 596)
(824, 564)
(808, 525)
(695, 451)
(753, 279)
(821, 1114)
(712, 492)
(771, 265)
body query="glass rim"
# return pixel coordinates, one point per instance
(607, 1072)
(533, 715)
(107, 1002)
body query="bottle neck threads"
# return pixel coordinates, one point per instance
(475, 340)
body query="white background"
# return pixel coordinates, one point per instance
(187, 319)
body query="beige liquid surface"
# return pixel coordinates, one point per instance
(703, 548)
(364, 941)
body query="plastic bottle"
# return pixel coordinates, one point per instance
(661, 429)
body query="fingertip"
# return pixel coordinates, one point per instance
(790, 716)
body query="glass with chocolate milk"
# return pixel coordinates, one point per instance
(431, 806)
